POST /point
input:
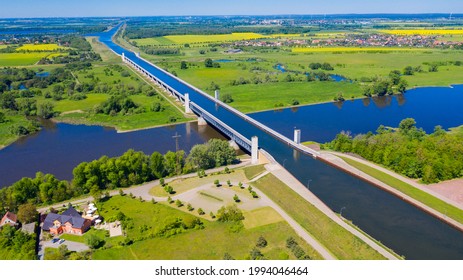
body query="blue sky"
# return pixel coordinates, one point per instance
(76, 8)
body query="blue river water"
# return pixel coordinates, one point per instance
(404, 228)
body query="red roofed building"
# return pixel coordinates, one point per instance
(10, 219)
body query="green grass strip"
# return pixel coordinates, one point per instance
(422, 196)
(335, 238)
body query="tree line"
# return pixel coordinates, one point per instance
(107, 173)
(408, 150)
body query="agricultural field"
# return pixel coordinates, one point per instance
(355, 49)
(21, 59)
(195, 39)
(40, 47)
(426, 32)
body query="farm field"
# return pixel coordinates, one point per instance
(195, 39)
(423, 31)
(40, 47)
(21, 59)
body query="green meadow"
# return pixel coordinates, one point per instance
(211, 242)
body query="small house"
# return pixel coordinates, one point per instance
(10, 219)
(68, 222)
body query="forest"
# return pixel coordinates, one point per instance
(408, 150)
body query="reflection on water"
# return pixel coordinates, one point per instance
(58, 148)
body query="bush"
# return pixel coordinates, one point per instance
(229, 214)
(261, 242)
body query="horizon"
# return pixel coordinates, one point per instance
(146, 8)
(241, 15)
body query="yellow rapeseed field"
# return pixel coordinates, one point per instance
(39, 47)
(354, 49)
(428, 32)
(193, 39)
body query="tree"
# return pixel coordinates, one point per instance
(226, 98)
(217, 183)
(156, 107)
(261, 242)
(406, 125)
(395, 77)
(201, 212)
(46, 110)
(183, 65)
(256, 254)
(178, 203)
(208, 63)
(27, 213)
(408, 71)
(157, 165)
(236, 198)
(93, 241)
(229, 183)
(229, 213)
(402, 86)
(169, 189)
(189, 207)
(2, 117)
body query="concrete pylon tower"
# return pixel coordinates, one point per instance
(254, 150)
(297, 136)
(123, 57)
(216, 94)
(187, 104)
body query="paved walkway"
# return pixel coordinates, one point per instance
(294, 184)
(333, 159)
(72, 246)
(143, 190)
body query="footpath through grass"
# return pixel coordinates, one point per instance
(145, 219)
(424, 197)
(335, 238)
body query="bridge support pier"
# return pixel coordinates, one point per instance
(201, 121)
(297, 136)
(254, 150)
(187, 104)
(216, 94)
(233, 144)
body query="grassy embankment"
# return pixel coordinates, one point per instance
(353, 63)
(170, 114)
(422, 196)
(335, 238)
(212, 242)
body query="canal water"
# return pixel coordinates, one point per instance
(404, 228)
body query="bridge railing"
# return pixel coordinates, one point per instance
(244, 142)
(259, 125)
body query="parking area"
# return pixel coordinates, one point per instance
(72, 246)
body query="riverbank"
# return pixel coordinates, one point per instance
(336, 161)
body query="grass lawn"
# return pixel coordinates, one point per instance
(253, 171)
(212, 242)
(183, 185)
(81, 238)
(21, 59)
(427, 199)
(106, 54)
(260, 217)
(335, 238)
(89, 103)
